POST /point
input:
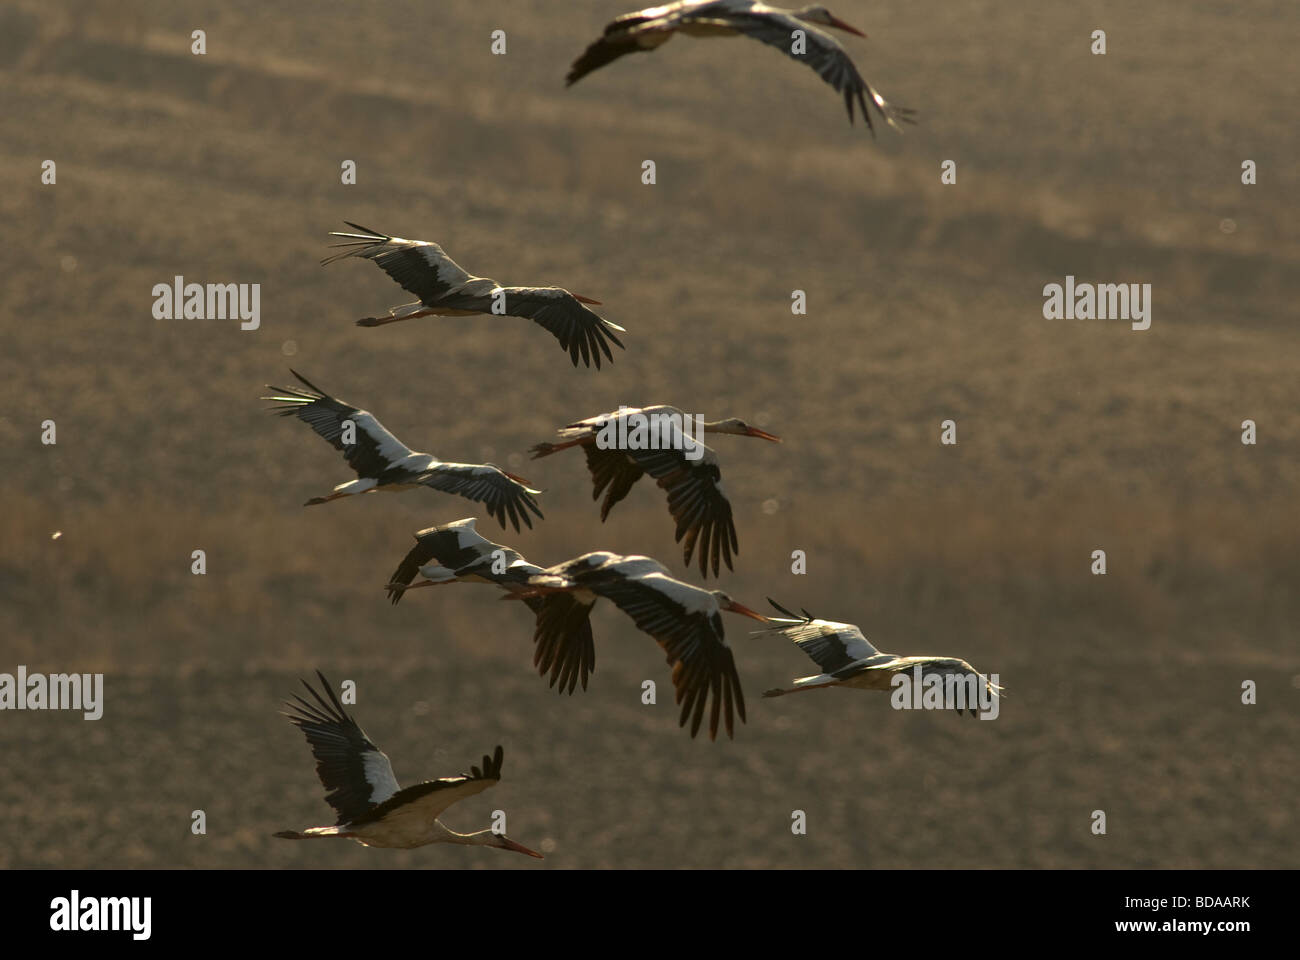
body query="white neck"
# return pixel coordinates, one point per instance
(480, 838)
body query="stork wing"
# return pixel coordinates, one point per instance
(579, 330)
(935, 666)
(825, 55)
(374, 451)
(697, 503)
(638, 32)
(486, 484)
(610, 468)
(685, 622)
(453, 545)
(832, 646)
(426, 801)
(421, 267)
(355, 771)
(564, 643)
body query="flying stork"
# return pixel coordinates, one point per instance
(648, 29)
(446, 290)
(373, 810)
(457, 553)
(685, 620)
(848, 659)
(382, 462)
(693, 485)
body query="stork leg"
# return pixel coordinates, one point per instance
(380, 321)
(546, 449)
(779, 692)
(422, 583)
(333, 496)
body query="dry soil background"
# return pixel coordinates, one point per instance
(925, 303)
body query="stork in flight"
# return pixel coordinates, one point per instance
(446, 290)
(648, 29)
(373, 810)
(457, 553)
(693, 483)
(848, 659)
(685, 620)
(382, 462)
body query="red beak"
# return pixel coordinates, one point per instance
(508, 844)
(841, 25)
(744, 610)
(763, 435)
(581, 299)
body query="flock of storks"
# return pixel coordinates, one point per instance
(684, 619)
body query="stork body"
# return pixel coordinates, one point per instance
(685, 621)
(445, 289)
(794, 32)
(372, 809)
(849, 659)
(382, 462)
(456, 553)
(680, 462)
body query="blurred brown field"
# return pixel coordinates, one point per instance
(925, 303)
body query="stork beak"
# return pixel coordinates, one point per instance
(841, 25)
(745, 611)
(763, 435)
(508, 844)
(581, 299)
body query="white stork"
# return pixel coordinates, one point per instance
(457, 553)
(648, 29)
(685, 620)
(694, 486)
(446, 290)
(382, 462)
(373, 810)
(848, 659)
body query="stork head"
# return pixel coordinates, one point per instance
(816, 13)
(726, 603)
(741, 428)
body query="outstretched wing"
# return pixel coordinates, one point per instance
(418, 266)
(565, 647)
(638, 32)
(424, 269)
(697, 503)
(426, 801)
(610, 468)
(452, 545)
(832, 646)
(489, 485)
(356, 773)
(684, 620)
(374, 450)
(579, 330)
(970, 680)
(825, 55)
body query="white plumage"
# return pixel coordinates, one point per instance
(382, 462)
(372, 808)
(849, 659)
(649, 29)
